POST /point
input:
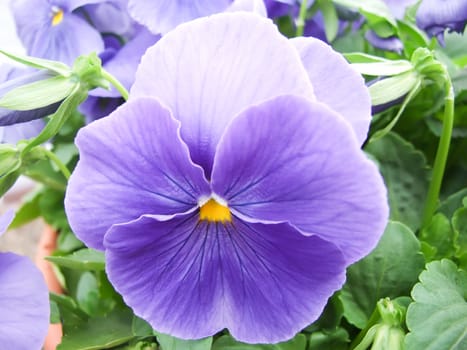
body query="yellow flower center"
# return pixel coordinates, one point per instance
(57, 15)
(214, 212)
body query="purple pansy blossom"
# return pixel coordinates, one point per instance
(161, 16)
(231, 191)
(50, 29)
(24, 300)
(435, 16)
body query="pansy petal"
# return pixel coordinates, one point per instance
(131, 163)
(22, 131)
(5, 220)
(192, 278)
(163, 15)
(336, 83)
(24, 301)
(435, 16)
(293, 160)
(209, 70)
(255, 6)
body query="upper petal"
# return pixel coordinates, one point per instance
(131, 163)
(336, 83)
(163, 15)
(24, 301)
(209, 70)
(290, 159)
(262, 282)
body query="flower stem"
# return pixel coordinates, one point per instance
(111, 79)
(62, 167)
(441, 155)
(301, 18)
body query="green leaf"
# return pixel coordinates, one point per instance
(100, 332)
(406, 176)
(459, 224)
(449, 206)
(39, 94)
(141, 328)
(440, 236)
(9, 159)
(54, 66)
(89, 298)
(226, 342)
(331, 21)
(336, 340)
(83, 259)
(28, 211)
(411, 36)
(392, 88)
(389, 271)
(438, 317)
(7, 181)
(54, 312)
(168, 342)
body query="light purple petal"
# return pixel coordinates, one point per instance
(21, 131)
(336, 83)
(209, 70)
(5, 221)
(393, 43)
(98, 107)
(255, 6)
(293, 160)
(163, 15)
(264, 283)
(63, 42)
(435, 16)
(123, 65)
(71, 5)
(398, 7)
(24, 304)
(132, 162)
(110, 17)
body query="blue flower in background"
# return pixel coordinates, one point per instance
(24, 300)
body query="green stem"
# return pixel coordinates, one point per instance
(301, 18)
(112, 80)
(441, 155)
(64, 170)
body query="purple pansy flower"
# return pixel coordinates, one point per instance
(50, 29)
(435, 16)
(231, 191)
(24, 300)
(161, 16)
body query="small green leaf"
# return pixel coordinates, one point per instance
(88, 297)
(449, 206)
(54, 66)
(9, 159)
(28, 211)
(406, 176)
(440, 236)
(100, 333)
(226, 342)
(54, 312)
(141, 328)
(331, 21)
(392, 88)
(411, 36)
(168, 342)
(438, 317)
(459, 224)
(378, 15)
(388, 68)
(337, 339)
(7, 181)
(39, 94)
(389, 271)
(83, 259)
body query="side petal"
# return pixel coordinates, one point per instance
(163, 15)
(24, 301)
(132, 163)
(209, 70)
(336, 83)
(293, 160)
(262, 282)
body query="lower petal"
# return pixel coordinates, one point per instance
(192, 278)
(24, 303)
